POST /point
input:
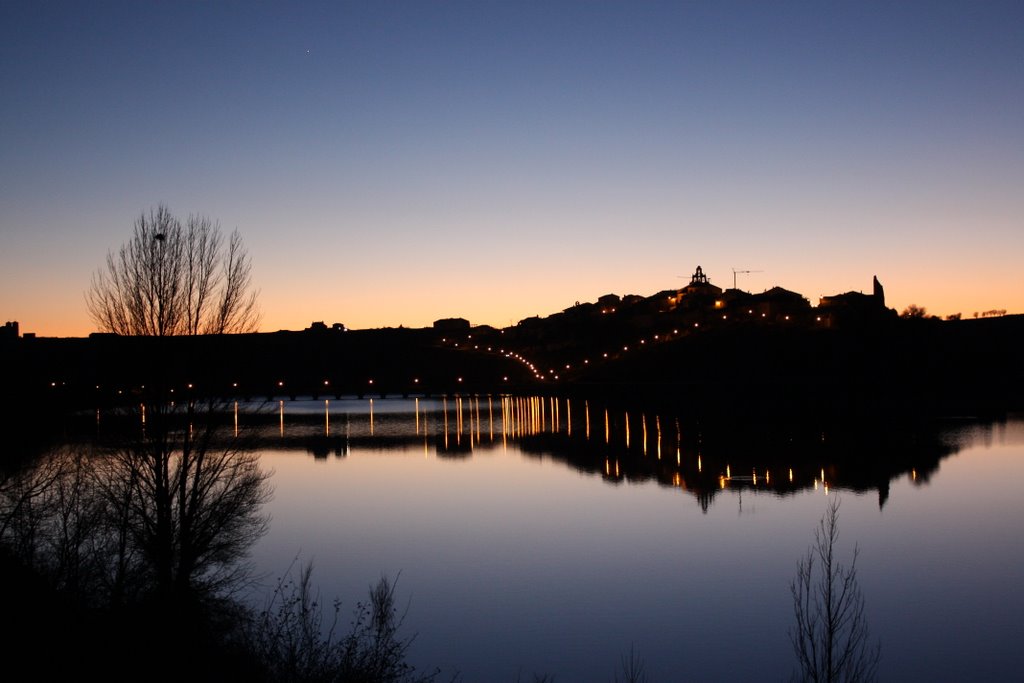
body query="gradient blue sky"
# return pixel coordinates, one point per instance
(397, 162)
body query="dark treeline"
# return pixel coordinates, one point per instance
(931, 366)
(723, 370)
(106, 369)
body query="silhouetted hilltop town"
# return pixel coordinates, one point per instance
(712, 348)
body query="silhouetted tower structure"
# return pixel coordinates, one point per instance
(878, 292)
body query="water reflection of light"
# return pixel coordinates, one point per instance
(568, 417)
(281, 410)
(445, 411)
(371, 417)
(327, 417)
(790, 475)
(643, 431)
(627, 430)
(458, 421)
(476, 413)
(607, 430)
(657, 424)
(417, 416)
(586, 412)
(236, 418)
(505, 411)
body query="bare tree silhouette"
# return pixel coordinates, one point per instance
(175, 279)
(831, 637)
(292, 642)
(187, 506)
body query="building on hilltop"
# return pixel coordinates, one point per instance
(700, 285)
(780, 304)
(609, 303)
(451, 325)
(700, 293)
(321, 326)
(9, 330)
(854, 307)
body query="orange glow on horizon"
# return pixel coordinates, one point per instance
(58, 309)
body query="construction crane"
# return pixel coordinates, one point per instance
(735, 272)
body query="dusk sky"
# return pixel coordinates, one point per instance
(394, 163)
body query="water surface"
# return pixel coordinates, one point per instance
(543, 536)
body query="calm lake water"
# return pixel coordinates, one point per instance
(549, 536)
